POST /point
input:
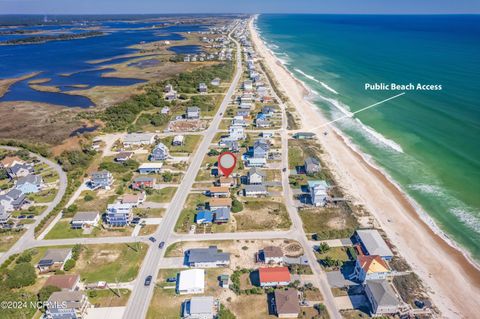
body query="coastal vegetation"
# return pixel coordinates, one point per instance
(47, 38)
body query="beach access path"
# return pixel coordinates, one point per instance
(451, 278)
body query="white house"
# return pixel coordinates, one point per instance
(271, 255)
(178, 140)
(256, 176)
(199, 308)
(256, 162)
(236, 132)
(85, 219)
(318, 192)
(138, 139)
(256, 190)
(191, 281)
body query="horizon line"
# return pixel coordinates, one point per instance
(246, 13)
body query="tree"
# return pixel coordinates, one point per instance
(88, 198)
(25, 257)
(213, 152)
(21, 275)
(46, 292)
(69, 264)
(167, 177)
(323, 247)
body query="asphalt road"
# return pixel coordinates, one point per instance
(139, 301)
(29, 236)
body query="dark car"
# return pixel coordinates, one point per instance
(152, 239)
(30, 216)
(172, 279)
(161, 244)
(21, 217)
(148, 280)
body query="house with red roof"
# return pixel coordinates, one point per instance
(368, 267)
(274, 276)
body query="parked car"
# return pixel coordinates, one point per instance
(152, 239)
(172, 279)
(148, 280)
(161, 244)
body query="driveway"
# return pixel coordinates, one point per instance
(337, 280)
(105, 312)
(172, 262)
(351, 302)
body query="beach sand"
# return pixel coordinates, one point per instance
(452, 279)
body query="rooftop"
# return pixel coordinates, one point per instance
(274, 274)
(286, 301)
(210, 254)
(373, 242)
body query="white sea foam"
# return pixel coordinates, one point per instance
(311, 77)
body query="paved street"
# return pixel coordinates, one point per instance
(28, 236)
(138, 303)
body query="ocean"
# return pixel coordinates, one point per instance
(427, 141)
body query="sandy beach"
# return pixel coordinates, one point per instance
(452, 279)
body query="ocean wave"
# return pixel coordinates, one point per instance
(459, 209)
(363, 128)
(311, 77)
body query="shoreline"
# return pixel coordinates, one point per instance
(437, 260)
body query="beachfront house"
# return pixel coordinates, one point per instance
(318, 192)
(382, 298)
(312, 165)
(372, 243)
(102, 179)
(207, 257)
(370, 268)
(119, 215)
(304, 136)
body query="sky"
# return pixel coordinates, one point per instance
(237, 6)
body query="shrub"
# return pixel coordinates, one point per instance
(69, 264)
(46, 292)
(88, 198)
(21, 275)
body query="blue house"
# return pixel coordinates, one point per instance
(260, 148)
(159, 153)
(119, 215)
(29, 184)
(204, 217)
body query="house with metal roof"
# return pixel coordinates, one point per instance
(260, 148)
(271, 255)
(199, 308)
(382, 298)
(318, 192)
(138, 139)
(257, 190)
(207, 257)
(274, 276)
(193, 112)
(85, 219)
(191, 281)
(372, 243)
(204, 217)
(312, 165)
(63, 282)
(222, 215)
(149, 168)
(119, 215)
(159, 153)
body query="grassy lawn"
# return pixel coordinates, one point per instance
(262, 214)
(149, 212)
(187, 216)
(163, 195)
(328, 223)
(110, 262)
(8, 239)
(109, 298)
(32, 210)
(338, 253)
(94, 201)
(189, 144)
(250, 307)
(298, 150)
(62, 229)
(44, 196)
(148, 230)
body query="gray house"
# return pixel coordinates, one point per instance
(54, 258)
(256, 176)
(258, 190)
(199, 308)
(102, 179)
(260, 148)
(159, 153)
(312, 165)
(382, 298)
(193, 112)
(207, 257)
(4, 215)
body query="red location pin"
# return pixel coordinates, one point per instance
(226, 163)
